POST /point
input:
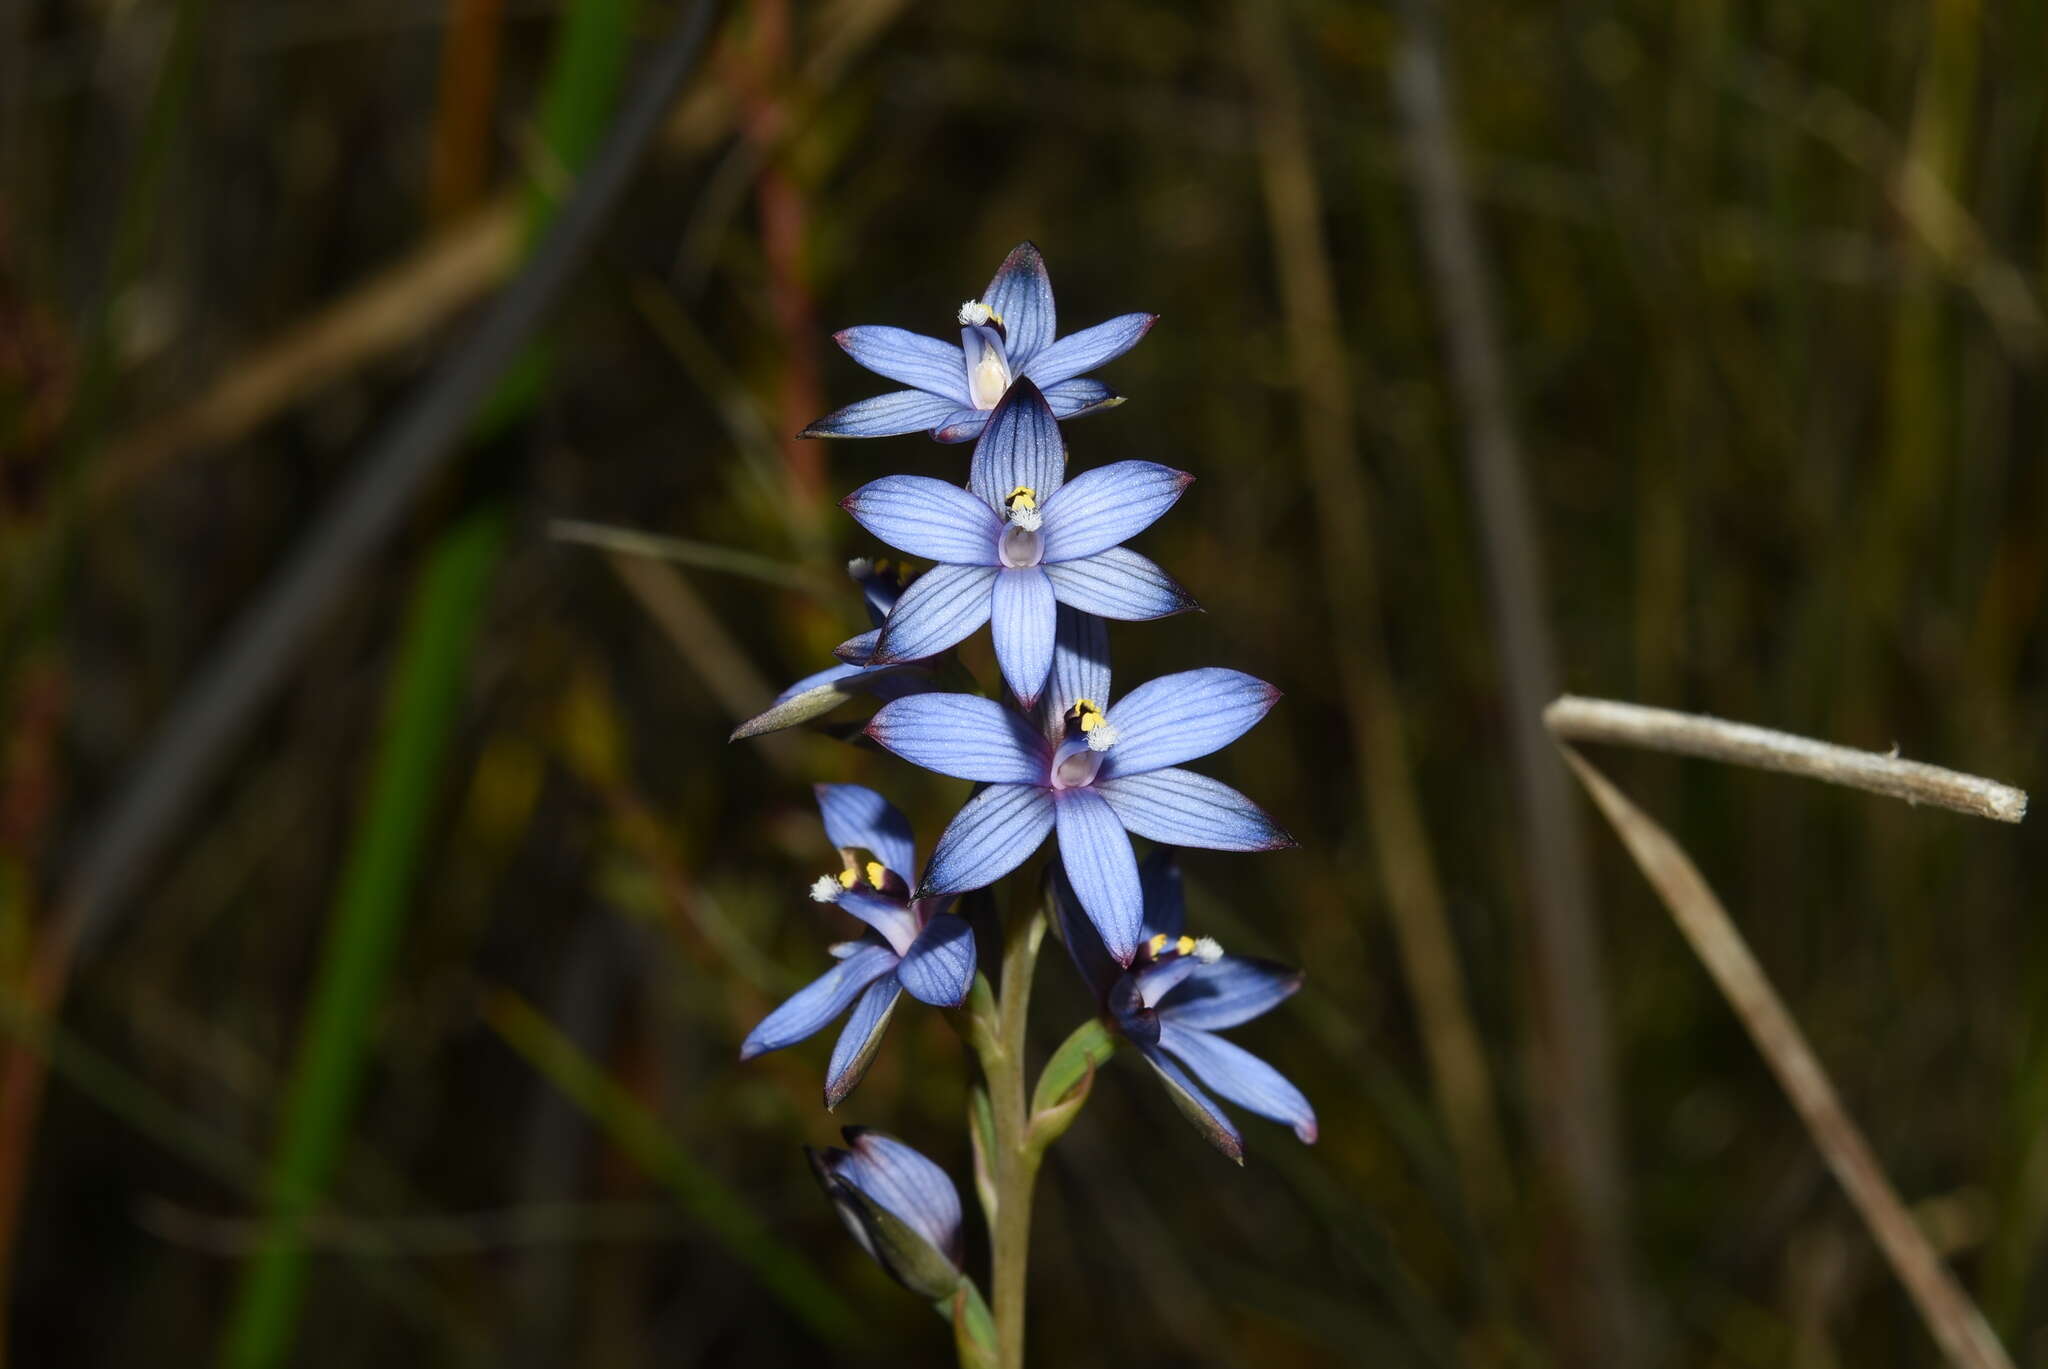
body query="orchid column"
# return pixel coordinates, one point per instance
(1039, 558)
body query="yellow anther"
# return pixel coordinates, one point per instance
(1089, 713)
(1185, 946)
(848, 878)
(1156, 945)
(876, 874)
(1023, 497)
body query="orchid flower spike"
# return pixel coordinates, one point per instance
(913, 944)
(1095, 770)
(1005, 335)
(1019, 540)
(1177, 993)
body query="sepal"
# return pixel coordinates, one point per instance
(974, 1330)
(895, 1202)
(1066, 1081)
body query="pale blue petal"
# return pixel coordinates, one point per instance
(1022, 618)
(927, 518)
(856, 815)
(818, 1002)
(900, 411)
(1073, 398)
(1101, 508)
(1080, 669)
(1197, 1106)
(962, 735)
(961, 425)
(1103, 869)
(1229, 991)
(906, 1183)
(993, 833)
(1083, 942)
(828, 675)
(859, 1039)
(1240, 1076)
(859, 649)
(1183, 716)
(1166, 905)
(1078, 353)
(1182, 808)
(891, 917)
(939, 966)
(942, 607)
(924, 363)
(1020, 446)
(1119, 584)
(1021, 294)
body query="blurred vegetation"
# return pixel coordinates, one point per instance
(1770, 285)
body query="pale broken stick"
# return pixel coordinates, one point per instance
(1954, 1321)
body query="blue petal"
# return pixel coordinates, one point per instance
(1021, 293)
(962, 735)
(961, 425)
(1166, 905)
(942, 607)
(859, 649)
(1111, 504)
(1103, 869)
(1078, 353)
(1232, 990)
(1020, 446)
(1080, 669)
(856, 815)
(927, 518)
(900, 411)
(1022, 617)
(1083, 942)
(1197, 1106)
(859, 1039)
(993, 833)
(1073, 398)
(1182, 808)
(1119, 584)
(818, 1002)
(907, 1184)
(939, 966)
(816, 695)
(889, 916)
(1240, 1076)
(828, 675)
(1179, 717)
(924, 363)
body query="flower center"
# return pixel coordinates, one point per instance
(1165, 962)
(1020, 546)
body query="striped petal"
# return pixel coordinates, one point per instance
(1022, 617)
(962, 735)
(1183, 716)
(1021, 294)
(889, 916)
(819, 1001)
(1166, 904)
(910, 1186)
(856, 815)
(927, 518)
(1080, 669)
(924, 363)
(1102, 868)
(1120, 584)
(1241, 1077)
(1181, 808)
(1111, 504)
(1020, 446)
(859, 1039)
(1195, 1105)
(1078, 353)
(942, 607)
(1073, 398)
(1228, 992)
(900, 411)
(993, 833)
(939, 966)
(1082, 941)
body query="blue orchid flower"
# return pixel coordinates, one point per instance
(1019, 540)
(1173, 999)
(1094, 770)
(821, 692)
(1005, 335)
(901, 1207)
(913, 944)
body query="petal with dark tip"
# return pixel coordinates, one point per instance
(900, 411)
(1119, 584)
(1022, 618)
(1184, 716)
(925, 363)
(1240, 1076)
(1102, 867)
(1101, 508)
(1195, 1105)
(859, 649)
(1074, 398)
(1021, 294)
(1020, 447)
(939, 966)
(962, 735)
(1082, 941)
(961, 425)
(1078, 353)
(859, 1039)
(1166, 908)
(857, 816)
(927, 518)
(993, 833)
(810, 1008)
(943, 607)
(1182, 808)
(1228, 992)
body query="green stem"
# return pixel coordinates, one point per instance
(1016, 1159)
